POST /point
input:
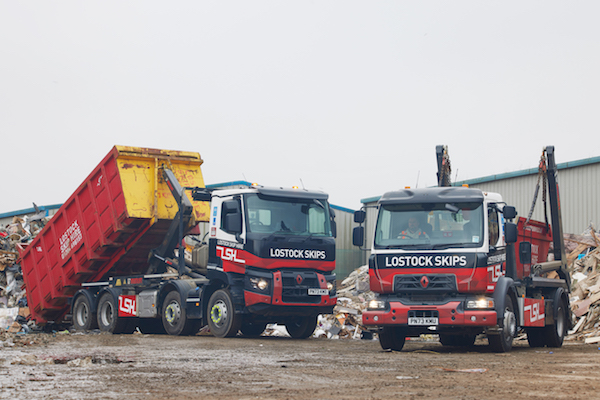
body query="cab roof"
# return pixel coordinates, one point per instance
(433, 195)
(276, 192)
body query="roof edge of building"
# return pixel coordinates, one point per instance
(529, 171)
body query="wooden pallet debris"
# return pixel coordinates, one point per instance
(584, 266)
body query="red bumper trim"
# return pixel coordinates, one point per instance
(448, 315)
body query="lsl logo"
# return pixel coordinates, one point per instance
(127, 306)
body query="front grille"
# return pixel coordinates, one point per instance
(439, 283)
(295, 289)
(423, 314)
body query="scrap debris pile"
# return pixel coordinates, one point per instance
(584, 264)
(346, 320)
(13, 303)
(353, 296)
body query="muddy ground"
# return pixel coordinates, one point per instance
(104, 366)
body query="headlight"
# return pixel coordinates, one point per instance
(259, 283)
(482, 303)
(376, 305)
(330, 286)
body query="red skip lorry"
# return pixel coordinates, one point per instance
(450, 261)
(113, 255)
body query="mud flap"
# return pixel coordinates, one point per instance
(503, 287)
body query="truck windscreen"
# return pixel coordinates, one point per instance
(429, 226)
(284, 215)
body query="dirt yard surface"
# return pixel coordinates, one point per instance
(104, 366)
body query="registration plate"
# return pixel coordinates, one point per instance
(427, 321)
(317, 292)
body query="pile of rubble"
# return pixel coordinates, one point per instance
(346, 321)
(584, 264)
(13, 303)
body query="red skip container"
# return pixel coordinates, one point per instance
(107, 227)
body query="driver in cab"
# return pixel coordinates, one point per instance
(414, 231)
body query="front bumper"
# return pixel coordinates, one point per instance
(290, 290)
(449, 314)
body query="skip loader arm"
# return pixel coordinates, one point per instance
(443, 164)
(174, 236)
(555, 214)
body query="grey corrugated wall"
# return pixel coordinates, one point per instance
(579, 189)
(347, 256)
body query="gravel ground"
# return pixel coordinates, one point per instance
(104, 366)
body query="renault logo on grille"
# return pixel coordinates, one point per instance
(299, 279)
(424, 281)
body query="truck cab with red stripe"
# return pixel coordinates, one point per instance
(444, 261)
(272, 251)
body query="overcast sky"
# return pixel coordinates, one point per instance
(343, 96)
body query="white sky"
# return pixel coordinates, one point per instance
(349, 97)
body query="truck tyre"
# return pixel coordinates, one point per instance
(302, 327)
(457, 340)
(83, 317)
(392, 338)
(222, 319)
(251, 328)
(502, 342)
(108, 318)
(174, 317)
(555, 333)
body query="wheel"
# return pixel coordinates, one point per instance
(174, 316)
(108, 318)
(502, 342)
(457, 340)
(555, 333)
(536, 337)
(392, 338)
(302, 327)
(83, 317)
(251, 328)
(222, 321)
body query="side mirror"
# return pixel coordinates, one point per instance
(332, 222)
(358, 236)
(231, 206)
(201, 194)
(525, 252)
(233, 223)
(359, 216)
(509, 212)
(232, 217)
(510, 232)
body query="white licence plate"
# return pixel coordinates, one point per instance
(317, 292)
(423, 321)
